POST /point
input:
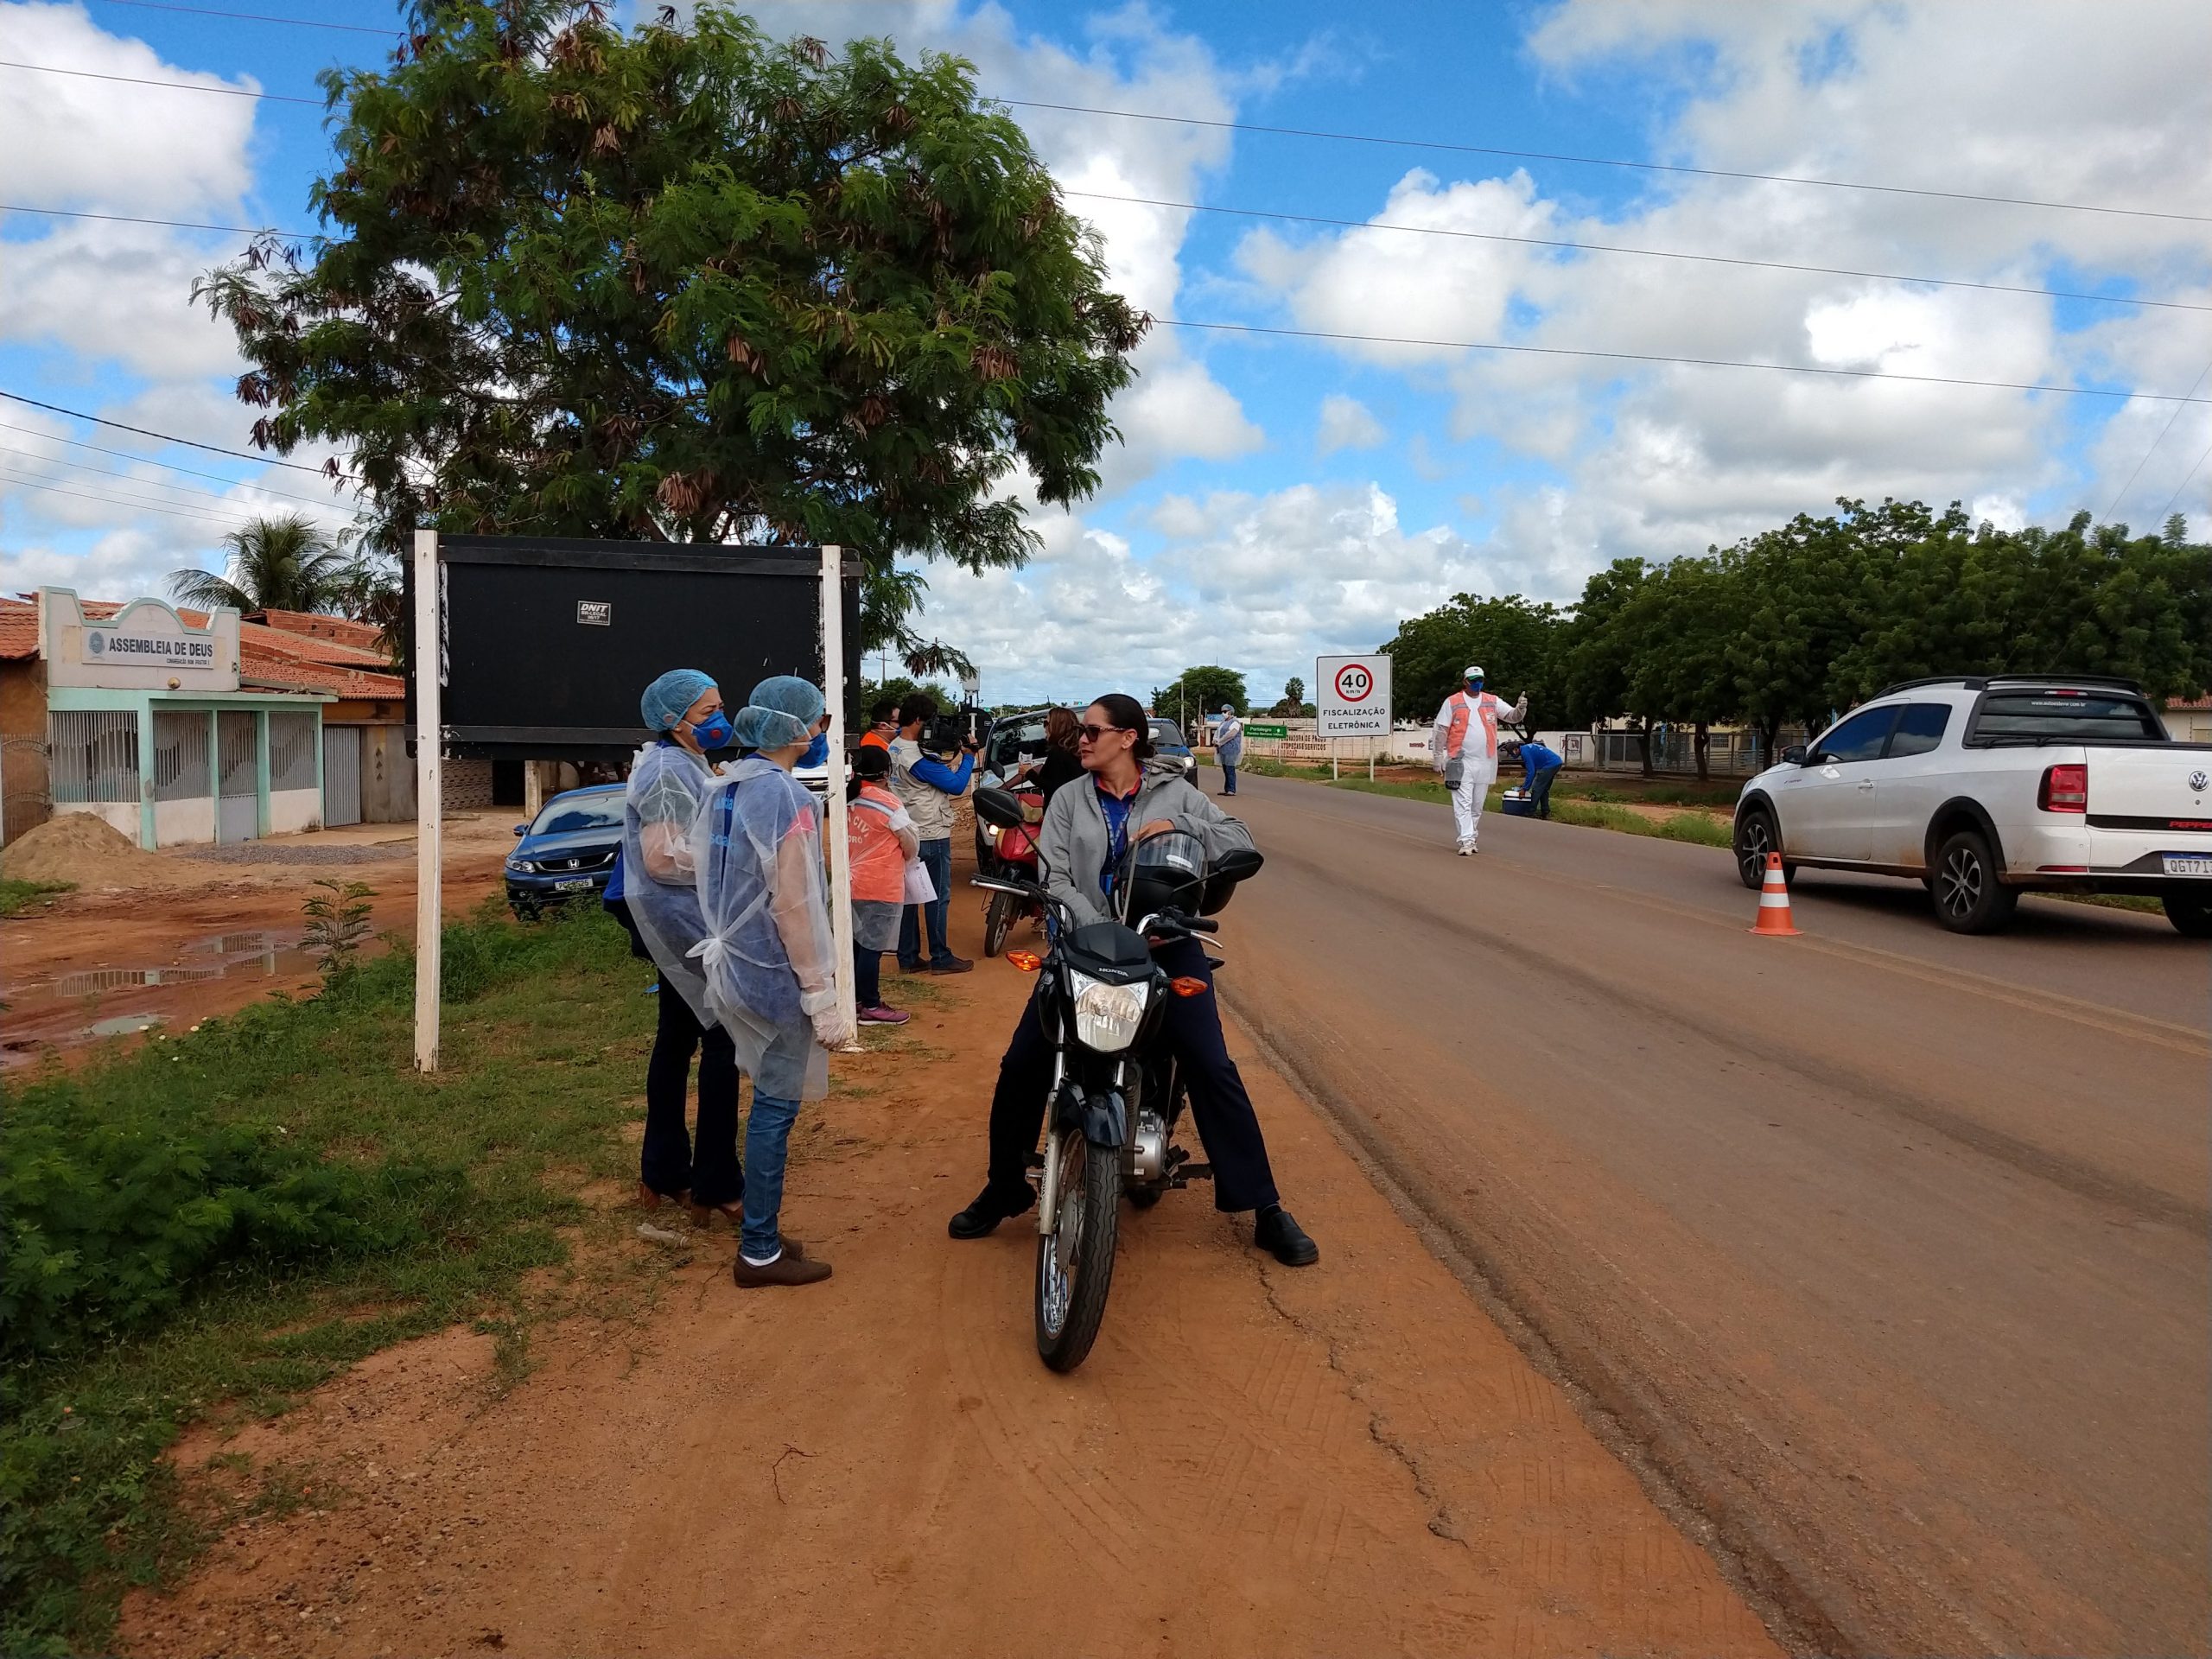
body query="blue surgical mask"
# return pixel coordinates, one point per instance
(1474, 685)
(817, 753)
(715, 732)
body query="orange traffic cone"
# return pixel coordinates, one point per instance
(1774, 903)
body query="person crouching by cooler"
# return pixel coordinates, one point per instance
(668, 780)
(771, 967)
(883, 841)
(1541, 765)
(1464, 747)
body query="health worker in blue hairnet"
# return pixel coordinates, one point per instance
(668, 780)
(769, 961)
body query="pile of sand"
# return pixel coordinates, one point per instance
(86, 852)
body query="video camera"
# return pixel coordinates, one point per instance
(945, 732)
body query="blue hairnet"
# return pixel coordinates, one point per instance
(668, 697)
(781, 711)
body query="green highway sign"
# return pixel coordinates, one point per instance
(1254, 729)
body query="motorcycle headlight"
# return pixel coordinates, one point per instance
(1107, 1016)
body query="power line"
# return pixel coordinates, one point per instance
(1604, 161)
(173, 85)
(166, 465)
(1346, 223)
(1695, 362)
(2167, 510)
(174, 511)
(259, 17)
(1450, 145)
(232, 502)
(189, 443)
(170, 224)
(1643, 253)
(2121, 495)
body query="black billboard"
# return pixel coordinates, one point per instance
(550, 640)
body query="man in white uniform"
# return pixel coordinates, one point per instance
(1464, 742)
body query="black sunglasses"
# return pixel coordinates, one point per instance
(1094, 733)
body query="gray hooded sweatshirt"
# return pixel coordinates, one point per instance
(1074, 841)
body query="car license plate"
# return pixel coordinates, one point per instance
(2188, 864)
(572, 885)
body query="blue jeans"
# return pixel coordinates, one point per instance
(1228, 778)
(1540, 789)
(767, 1140)
(937, 859)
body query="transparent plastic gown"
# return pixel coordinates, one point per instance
(766, 953)
(660, 872)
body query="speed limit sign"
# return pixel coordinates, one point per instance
(1353, 697)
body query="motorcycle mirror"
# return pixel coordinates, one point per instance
(997, 806)
(1241, 864)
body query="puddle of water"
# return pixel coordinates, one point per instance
(124, 1024)
(67, 1010)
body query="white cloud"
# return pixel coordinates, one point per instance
(1346, 423)
(67, 141)
(2073, 103)
(118, 293)
(1260, 583)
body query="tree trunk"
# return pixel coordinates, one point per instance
(1643, 742)
(1704, 742)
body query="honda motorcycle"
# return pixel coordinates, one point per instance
(1012, 854)
(1117, 1095)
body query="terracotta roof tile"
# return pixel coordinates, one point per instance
(342, 629)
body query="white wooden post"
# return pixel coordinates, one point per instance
(533, 788)
(833, 694)
(430, 796)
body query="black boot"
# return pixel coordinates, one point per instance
(991, 1207)
(1275, 1232)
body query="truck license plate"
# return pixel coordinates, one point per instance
(581, 881)
(2188, 864)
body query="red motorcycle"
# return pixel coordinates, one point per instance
(1012, 853)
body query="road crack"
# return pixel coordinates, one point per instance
(1441, 1520)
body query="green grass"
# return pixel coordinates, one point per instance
(16, 896)
(1657, 794)
(2142, 901)
(463, 1181)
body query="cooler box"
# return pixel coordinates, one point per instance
(1517, 805)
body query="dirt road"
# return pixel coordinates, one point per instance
(1888, 1247)
(1349, 1459)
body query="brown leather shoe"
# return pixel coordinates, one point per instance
(787, 1269)
(647, 1199)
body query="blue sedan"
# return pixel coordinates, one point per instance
(568, 852)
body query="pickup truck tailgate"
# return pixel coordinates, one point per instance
(2155, 787)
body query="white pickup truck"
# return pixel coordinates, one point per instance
(1985, 788)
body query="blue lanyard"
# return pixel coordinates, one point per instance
(1116, 811)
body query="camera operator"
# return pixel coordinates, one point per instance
(927, 783)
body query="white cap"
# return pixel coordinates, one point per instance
(1474, 672)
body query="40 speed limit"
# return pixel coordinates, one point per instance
(1352, 695)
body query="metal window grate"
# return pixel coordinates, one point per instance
(93, 754)
(291, 751)
(181, 765)
(240, 753)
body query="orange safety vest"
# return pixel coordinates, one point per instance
(874, 740)
(1464, 709)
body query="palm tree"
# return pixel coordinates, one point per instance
(285, 564)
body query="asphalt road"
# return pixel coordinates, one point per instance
(1885, 1249)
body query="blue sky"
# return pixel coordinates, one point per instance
(1275, 498)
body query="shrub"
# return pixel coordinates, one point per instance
(109, 1224)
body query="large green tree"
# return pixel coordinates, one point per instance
(1198, 691)
(1515, 639)
(683, 282)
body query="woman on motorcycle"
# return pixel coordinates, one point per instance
(1086, 831)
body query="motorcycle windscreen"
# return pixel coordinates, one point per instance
(1164, 872)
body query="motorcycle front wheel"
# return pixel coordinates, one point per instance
(997, 920)
(1075, 1261)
